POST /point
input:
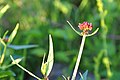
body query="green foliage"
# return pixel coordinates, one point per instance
(8, 73)
(16, 61)
(10, 39)
(19, 47)
(46, 67)
(12, 35)
(38, 18)
(84, 76)
(3, 10)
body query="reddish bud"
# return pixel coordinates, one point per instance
(6, 39)
(85, 26)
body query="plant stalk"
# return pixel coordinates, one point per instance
(28, 72)
(79, 57)
(3, 55)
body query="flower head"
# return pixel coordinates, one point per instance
(85, 27)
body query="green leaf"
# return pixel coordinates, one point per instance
(30, 73)
(93, 32)
(64, 77)
(16, 61)
(13, 34)
(83, 4)
(84, 76)
(5, 34)
(74, 29)
(4, 74)
(18, 47)
(1, 41)
(44, 66)
(4, 51)
(47, 66)
(4, 9)
(50, 58)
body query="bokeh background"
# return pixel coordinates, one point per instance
(39, 18)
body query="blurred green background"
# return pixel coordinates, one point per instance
(39, 18)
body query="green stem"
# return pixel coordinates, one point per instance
(25, 57)
(74, 29)
(28, 72)
(3, 55)
(23, 63)
(6, 67)
(79, 57)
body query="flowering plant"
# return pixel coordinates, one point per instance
(85, 27)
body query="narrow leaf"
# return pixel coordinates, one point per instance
(93, 32)
(16, 61)
(4, 9)
(64, 77)
(4, 51)
(18, 47)
(43, 66)
(50, 56)
(2, 42)
(74, 29)
(5, 34)
(13, 34)
(84, 76)
(30, 73)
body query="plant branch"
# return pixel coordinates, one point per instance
(79, 57)
(30, 73)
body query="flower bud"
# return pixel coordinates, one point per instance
(85, 27)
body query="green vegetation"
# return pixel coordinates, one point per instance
(28, 42)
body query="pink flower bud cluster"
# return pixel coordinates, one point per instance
(85, 27)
